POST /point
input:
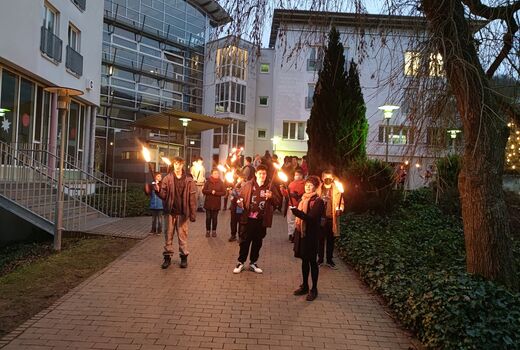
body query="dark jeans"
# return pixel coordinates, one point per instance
(253, 236)
(157, 220)
(326, 234)
(234, 222)
(312, 266)
(211, 219)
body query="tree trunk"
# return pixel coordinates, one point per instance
(484, 213)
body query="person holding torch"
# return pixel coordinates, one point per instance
(257, 198)
(179, 194)
(331, 194)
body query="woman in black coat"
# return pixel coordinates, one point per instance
(308, 217)
(213, 190)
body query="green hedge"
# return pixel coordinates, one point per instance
(137, 202)
(415, 259)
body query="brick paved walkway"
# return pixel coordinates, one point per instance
(133, 304)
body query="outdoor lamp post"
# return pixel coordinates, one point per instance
(276, 140)
(64, 95)
(388, 110)
(453, 135)
(185, 122)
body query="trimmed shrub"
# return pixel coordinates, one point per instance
(137, 202)
(370, 184)
(446, 184)
(415, 258)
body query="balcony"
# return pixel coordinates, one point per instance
(74, 61)
(50, 45)
(80, 4)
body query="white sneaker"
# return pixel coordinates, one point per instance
(255, 268)
(238, 268)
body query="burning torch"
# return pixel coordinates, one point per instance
(340, 188)
(148, 158)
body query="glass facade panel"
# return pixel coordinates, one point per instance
(8, 105)
(26, 113)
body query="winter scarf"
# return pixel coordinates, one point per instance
(304, 207)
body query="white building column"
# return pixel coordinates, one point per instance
(53, 132)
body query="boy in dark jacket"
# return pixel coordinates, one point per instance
(213, 189)
(235, 210)
(258, 199)
(180, 201)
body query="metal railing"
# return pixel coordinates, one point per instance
(29, 177)
(74, 61)
(50, 44)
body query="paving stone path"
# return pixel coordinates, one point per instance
(133, 304)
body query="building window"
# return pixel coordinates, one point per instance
(412, 63)
(81, 4)
(309, 99)
(230, 97)
(294, 130)
(232, 62)
(261, 134)
(395, 134)
(436, 65)
(263, 101)
(416, 64)
(234, 134)
(50, 19)
(264, 68)
(74, 38)
(314, 59)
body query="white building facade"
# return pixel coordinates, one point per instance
(44, 44)
(280, 89)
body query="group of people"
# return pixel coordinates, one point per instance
(312, 206)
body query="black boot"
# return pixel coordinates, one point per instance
(184, 261)
(167, 261)
(302, 290)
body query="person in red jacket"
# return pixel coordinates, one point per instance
(258, 198)
(213, 189)
(295, 191)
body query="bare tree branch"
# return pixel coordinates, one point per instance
(505, 13)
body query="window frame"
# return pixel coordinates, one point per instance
(262, 65)
(73, 30)
(258, 134)
(292, 128)
(266, 101)
(49, 8)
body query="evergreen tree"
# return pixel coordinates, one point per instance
(353, 126)
(329, 96)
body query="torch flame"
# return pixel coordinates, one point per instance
(278, 166)
(282, 176)
(233, 150)
(234, 158)
(230, 176)
(339, 186)
(166, 161)
(221, 168)
(146, 155)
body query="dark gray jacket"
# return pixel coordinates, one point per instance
(167, 193)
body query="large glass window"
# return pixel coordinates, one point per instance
(230, 97)
(395, 134)
(74, 38)
(50, 19)
(26, 113)
(8, 105)
(232, 62)
(234, 134)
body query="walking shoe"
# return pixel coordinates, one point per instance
(167, 261)
(184, 261)
(320, 263)
(302, 290)
(313, 293)
(238, 268)
(254, 267)
(332, 265)
(207, 233)
(232, 239)
(214, 233)
(291, 238)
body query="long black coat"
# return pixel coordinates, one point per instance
(307, 247)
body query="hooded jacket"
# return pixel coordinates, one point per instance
(275, 201)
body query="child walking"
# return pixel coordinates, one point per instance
(156, 205)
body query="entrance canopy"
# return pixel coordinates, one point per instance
(171, 120)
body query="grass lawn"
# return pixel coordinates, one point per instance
(33, 277)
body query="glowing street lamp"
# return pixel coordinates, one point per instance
(184, 122)
(388, 110)
(453, 135)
